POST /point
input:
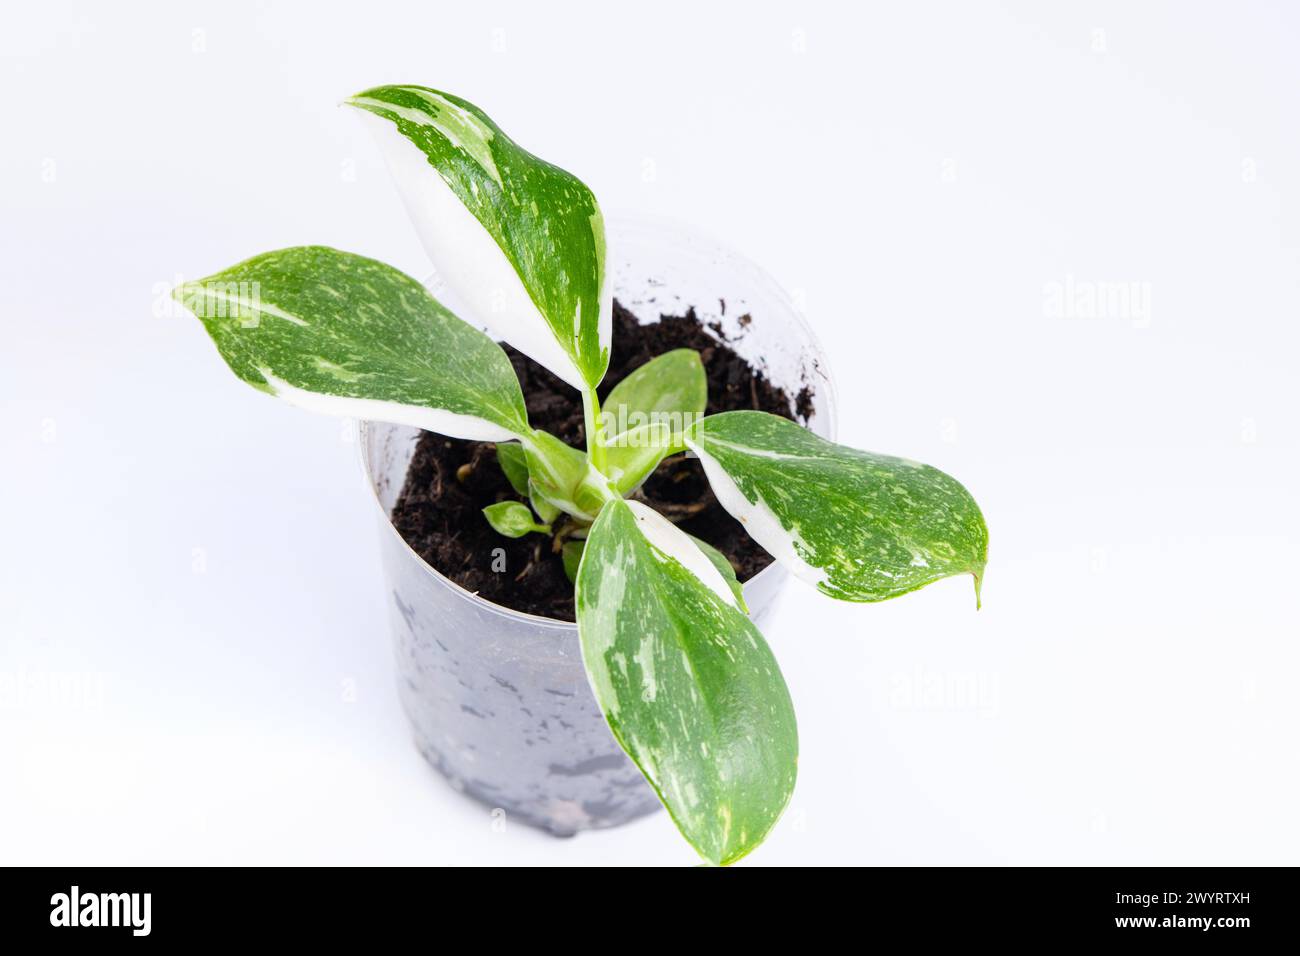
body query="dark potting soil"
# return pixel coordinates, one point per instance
(450, 481)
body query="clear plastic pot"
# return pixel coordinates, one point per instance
(499, 700)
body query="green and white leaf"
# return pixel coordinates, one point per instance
(345, 335)
(519, 241)
(860, 526)
(513, 519)
(688, 685)
(670, 389)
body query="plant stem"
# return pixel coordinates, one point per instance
(592, 426)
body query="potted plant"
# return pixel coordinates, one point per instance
(674, 665)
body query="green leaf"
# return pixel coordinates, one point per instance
(686, 681)
(514, 463)
(513, 519)
(637, 454)
(571, 555)
(724, 568)
(345, 335)
(545, 510)
(555, 470)
(860, 526)
(520, 241)
(671, 389)
(562, 477)
(646, 414)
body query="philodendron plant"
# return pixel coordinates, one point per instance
(687, 683)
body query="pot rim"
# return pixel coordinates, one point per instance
(825, 386)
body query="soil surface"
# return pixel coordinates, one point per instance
(451, 481)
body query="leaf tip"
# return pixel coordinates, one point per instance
(358, 101)
(189, 295)
(181, 291)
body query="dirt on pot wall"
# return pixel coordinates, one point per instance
(451, 481)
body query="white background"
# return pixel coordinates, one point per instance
(195, 664)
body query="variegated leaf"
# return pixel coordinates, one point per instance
(688, 685)
(520, 241)
(860, 526)
(513, 519)
(345, 335)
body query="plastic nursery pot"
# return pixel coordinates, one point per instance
(499, 700)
